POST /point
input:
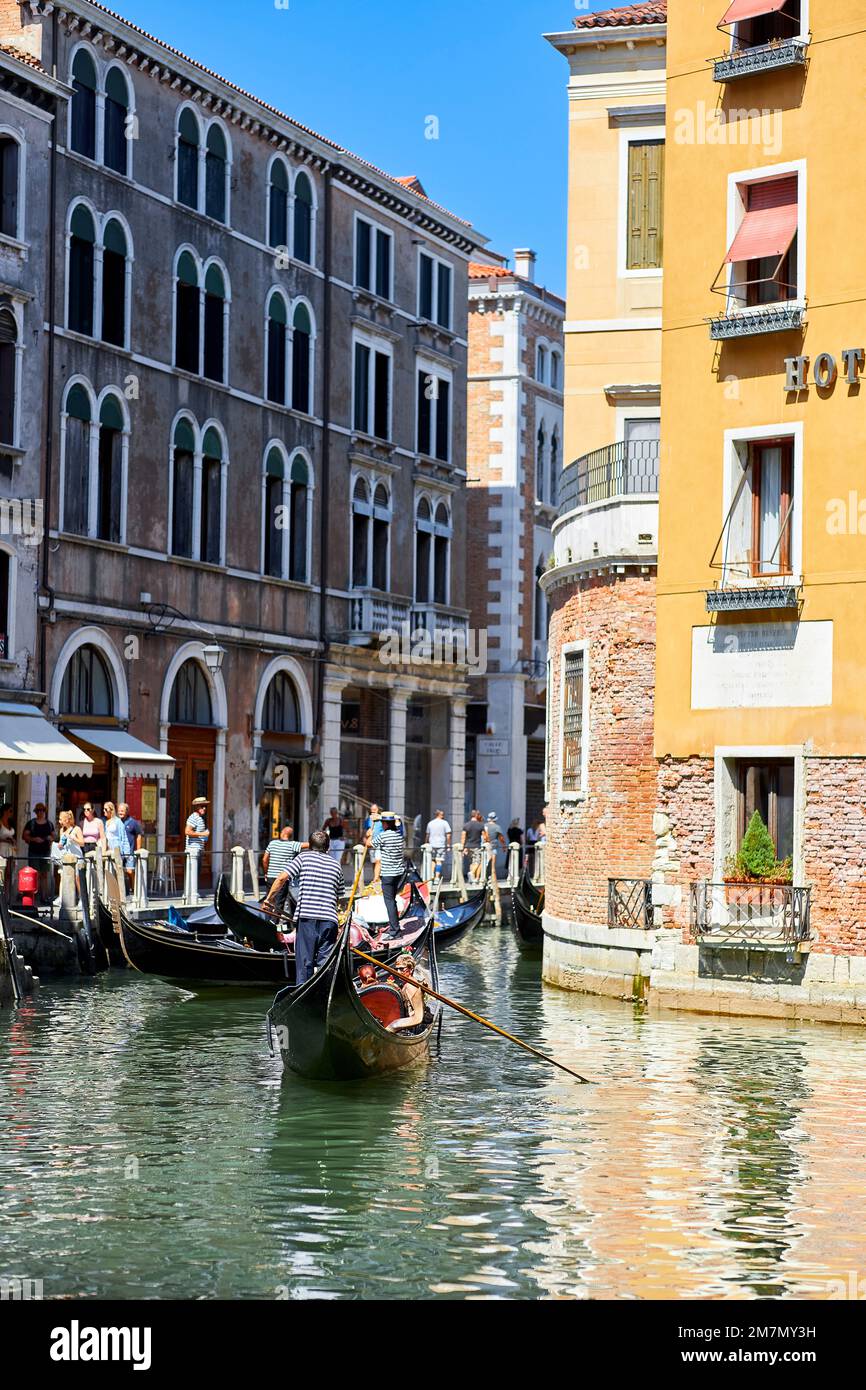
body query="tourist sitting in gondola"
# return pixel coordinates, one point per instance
(413, 996)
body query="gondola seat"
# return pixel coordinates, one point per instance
(385, 1002)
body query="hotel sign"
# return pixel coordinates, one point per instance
(825, 370)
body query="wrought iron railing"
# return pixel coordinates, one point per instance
(630, 903)
(627, 469)
(765, 318)
(751, 913)
(745, 62)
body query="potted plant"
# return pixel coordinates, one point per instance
(755, 865)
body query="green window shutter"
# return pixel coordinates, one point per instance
(645, 204)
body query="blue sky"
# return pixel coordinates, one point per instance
(368, 73)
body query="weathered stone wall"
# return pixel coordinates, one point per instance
(684, 826)
(610, 833)
(835, 852)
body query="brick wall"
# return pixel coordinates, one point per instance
(684, 826)
(609, 835)
(835, 852)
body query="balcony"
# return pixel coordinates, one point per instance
(630, 904)
(371, 613)
(445, 629)
(763, 318)
(627, 469)
(767, 57)
(763, 916)
(608, 507)
(780, 595)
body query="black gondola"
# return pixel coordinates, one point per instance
(183, 958)
(454, 923)
(527, 901)
(327, 1031)
(246, 923)
(108, 936)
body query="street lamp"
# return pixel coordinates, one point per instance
(213, 654)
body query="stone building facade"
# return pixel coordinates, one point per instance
(255, 375)
(515, 460)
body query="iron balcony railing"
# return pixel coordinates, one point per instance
(751, 914)
(630, 903)
(627, 469)
(746, 62)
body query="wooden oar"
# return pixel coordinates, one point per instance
(348, 916)
(467, 1013)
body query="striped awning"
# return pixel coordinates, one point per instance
(135, 759)
(29, 743)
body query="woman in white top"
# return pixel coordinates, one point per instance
(8, 838)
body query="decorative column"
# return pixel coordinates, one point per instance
(397, 758)
(332, 708)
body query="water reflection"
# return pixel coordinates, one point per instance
(149, 1145)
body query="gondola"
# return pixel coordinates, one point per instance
(108, 936)
(330, 1030)
(455, 923)
(246, 923)
(183, 958)
(531, 893)
(526, 922)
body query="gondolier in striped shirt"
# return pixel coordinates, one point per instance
(392, 853)
(317, 880)
(275, 861)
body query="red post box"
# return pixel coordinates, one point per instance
(28, 882)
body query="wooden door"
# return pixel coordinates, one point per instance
(194, 752)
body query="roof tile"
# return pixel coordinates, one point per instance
(648, 12)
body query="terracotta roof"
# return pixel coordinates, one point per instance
(487, 272)
(281, 115)
(12, 52)
(649, 12)
(412, 181)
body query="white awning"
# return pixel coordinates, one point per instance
(136, 759)
(28, 743)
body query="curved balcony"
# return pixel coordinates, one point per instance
(608, 507)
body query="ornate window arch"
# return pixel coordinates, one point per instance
(188, 308)
(217, 301)
(111, 667)
(118, 120)
(11, 354)
(12, 182)
(303, 218)
(277, 347)
(217, 171)
(277, 212)
(303, 356)
(290, 668)
(189, 158)
(83, 108)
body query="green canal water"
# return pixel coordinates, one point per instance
(151, 1147)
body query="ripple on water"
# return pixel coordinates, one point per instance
(149, 1146)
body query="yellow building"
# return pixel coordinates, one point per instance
(761, 635)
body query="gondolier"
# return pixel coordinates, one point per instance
(275, 861)
(317, 881)
(392, 852)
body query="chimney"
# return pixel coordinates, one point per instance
(524, 264)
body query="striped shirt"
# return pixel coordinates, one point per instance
(318, 881)
(280, 855)
(392, 852)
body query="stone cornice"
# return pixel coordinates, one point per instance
(596, 569)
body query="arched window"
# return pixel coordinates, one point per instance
(554, 468)
(361, 512)
(275, 530)
(556, 370)
(82, 244)
(183, 478)
(83, 121)
(541, 363)
(76, 459)
(303, 219)
(190, 701)
(216, 172)
(9, 177)
(539, 462)
(116, 114)
(187, 314)
(7, 614)
(114, 254)
(277, 348)
(540, 606)
(211, 498)
(423, 550)
(281, 713)
(381, 537)
(188, 138)
(86, 687)
(441, 554)
(109, 486)
(278, 205)
(8, 374)
(214, 324)
(299, 486)
(302, 333)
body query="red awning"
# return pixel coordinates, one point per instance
(770, 223)
(749, 9)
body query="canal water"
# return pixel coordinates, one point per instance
(151, 1147)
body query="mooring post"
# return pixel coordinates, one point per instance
(237, 876)
(139, 888)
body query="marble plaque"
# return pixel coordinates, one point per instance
(762, 666)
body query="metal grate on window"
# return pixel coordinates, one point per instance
(572, 723)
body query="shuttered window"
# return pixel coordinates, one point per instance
(646, 166)
(573, 732)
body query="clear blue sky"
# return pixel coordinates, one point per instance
(368, 72)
